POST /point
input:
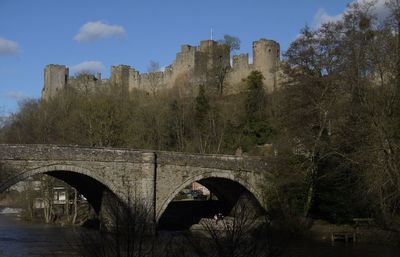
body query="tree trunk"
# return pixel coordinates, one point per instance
(67, 205)
(310, 193)
(75, 206)
(47, 211)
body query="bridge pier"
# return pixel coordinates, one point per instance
(148, 181)
(134, 195)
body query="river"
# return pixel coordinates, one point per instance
(312, 249)
(22, 239)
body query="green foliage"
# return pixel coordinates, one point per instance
(231, 41)
(256, 97)
(256, 133)
(202, 109)
(338, 198)
(256, 129)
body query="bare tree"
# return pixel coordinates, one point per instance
(221, 64)
(47, 185)
(130, 232)
(75, 215)
(242, 235)
(154, 76)
(231, 41)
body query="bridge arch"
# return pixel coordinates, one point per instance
(93, 187)
(220, 183)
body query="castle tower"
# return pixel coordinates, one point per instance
(55, 79)
(215, 54)
(122, 75)
(266, 55)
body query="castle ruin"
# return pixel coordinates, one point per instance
(193, 65)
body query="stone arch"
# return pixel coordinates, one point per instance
(56, 170)
(209, 175)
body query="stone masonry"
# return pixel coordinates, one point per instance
(189, 67)
(154, 177)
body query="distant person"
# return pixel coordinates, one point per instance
(239, 151)
(218, 217)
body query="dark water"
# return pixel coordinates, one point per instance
(308, 249)
(22, 239)
(182, 214)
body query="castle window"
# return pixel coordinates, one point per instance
(269, 50)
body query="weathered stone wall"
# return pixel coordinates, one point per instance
(120, 74)
(241, 68)
(153, 177)
(85, 83)
(213, 54)
(250, 172)
(185, 60)
(111, 167)
(55, 79)
(266, 59)
(192, 64)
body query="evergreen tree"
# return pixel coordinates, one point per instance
(256, 128)
(202, 109)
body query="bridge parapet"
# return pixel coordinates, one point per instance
(56, 152)
(76, 153)
(214, 161)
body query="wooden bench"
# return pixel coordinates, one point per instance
(345, 236)
(362, 222)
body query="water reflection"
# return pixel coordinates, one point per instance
(339, 249)
(22, 239)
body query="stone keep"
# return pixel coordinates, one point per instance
(55, 79)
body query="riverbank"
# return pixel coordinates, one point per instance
(10, 210)
(370, 234)
(60, 214)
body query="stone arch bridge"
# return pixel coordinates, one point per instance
(154, 176)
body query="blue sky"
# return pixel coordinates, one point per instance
(98, 33)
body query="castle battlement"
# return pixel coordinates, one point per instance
(188, 48)
(192, 63)
(240, 61)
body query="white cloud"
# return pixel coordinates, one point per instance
(323, 17)
(8, 47)
(15, 95)
(379, 9)
(87, 67)
(95, 30)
